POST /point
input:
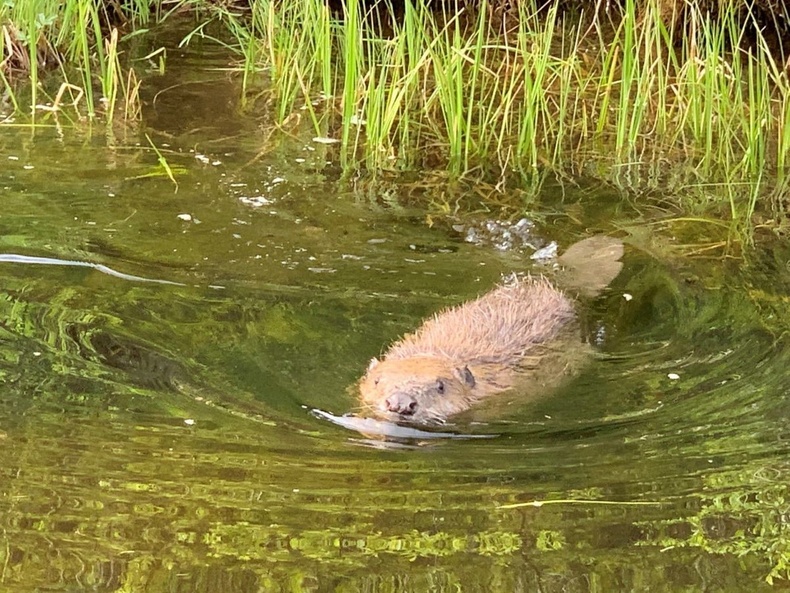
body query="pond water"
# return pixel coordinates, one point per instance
(160, 436)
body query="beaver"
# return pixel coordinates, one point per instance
(466, 353)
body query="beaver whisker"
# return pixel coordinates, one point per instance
(365, 408)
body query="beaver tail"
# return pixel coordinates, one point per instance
(590, 265)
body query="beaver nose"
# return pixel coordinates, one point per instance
(401, 404)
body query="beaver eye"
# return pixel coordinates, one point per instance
(440, 386)
(376, 380)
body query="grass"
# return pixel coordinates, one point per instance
(702, 113)
(473, 95)
(81, 40)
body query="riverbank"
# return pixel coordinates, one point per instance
(686, 104)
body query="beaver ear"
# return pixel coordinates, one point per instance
(465, 375)
(374, 362)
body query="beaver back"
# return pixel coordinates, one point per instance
(500, 327)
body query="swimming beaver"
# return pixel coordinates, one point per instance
(485, 346)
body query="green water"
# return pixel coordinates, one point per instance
(159, 437)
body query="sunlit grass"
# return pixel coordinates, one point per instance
(78, 40)
(631, 99)
(460, 91)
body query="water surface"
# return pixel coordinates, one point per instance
(158, 436)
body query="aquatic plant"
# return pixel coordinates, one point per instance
(651, 96)
(630, 99)
(77, 38)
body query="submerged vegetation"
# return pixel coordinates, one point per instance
(235, 496)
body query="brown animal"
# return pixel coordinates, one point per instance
(469, 352)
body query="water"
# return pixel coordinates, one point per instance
(159, 437)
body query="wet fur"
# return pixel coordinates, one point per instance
(482, 347)
(500, 327)
(472, 351)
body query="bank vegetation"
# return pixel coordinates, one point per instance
(656, 96)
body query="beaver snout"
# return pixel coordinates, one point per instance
(401, 403)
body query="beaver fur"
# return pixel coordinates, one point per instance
(476, 349)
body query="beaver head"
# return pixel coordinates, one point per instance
(417, 389)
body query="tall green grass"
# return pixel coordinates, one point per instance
(78, 37)
(466, 92)
(298, 57)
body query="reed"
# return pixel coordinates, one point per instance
(463, 92)
(351, 51)
(295, 45)
(634, 101)
(76, 36)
